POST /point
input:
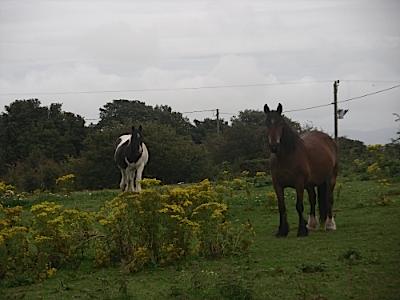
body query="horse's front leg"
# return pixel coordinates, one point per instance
(283, 229)
(130, 186)
(302, 231)
(138, 178)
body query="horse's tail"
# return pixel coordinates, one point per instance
(322, 202)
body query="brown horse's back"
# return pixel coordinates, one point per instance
(322, 156)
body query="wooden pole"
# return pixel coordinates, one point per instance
(218, 129)
(335, 91)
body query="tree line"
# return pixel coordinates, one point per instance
(41, 143)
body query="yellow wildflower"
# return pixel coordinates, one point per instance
(51, 272)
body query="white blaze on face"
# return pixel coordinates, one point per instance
(274, 138)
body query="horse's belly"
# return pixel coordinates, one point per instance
(285, 178)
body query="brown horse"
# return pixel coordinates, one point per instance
(302, 162)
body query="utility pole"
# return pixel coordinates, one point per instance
(218, 129)
(335, 91)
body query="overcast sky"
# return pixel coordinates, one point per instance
(299, 47)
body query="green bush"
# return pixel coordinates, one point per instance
(160, 226)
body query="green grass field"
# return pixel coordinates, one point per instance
(361, 260)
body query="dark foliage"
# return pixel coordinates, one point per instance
(39, 144)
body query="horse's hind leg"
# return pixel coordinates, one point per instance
(124, 179)
(312, 223)
(330, 223)
(322, 199)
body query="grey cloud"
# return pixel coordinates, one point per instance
(101, 45)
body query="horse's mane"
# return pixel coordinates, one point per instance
(289, 138)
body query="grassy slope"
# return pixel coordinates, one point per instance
(359, 261)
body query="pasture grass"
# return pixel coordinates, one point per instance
(361, 260)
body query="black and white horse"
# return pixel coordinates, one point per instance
(131, 156)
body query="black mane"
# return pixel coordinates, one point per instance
(289, 138)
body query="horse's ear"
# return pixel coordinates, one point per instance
(279, 109)
(133, 128)
(266, 108)
(140, 128)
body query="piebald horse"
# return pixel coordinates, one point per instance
(303, 162)
(131, 156)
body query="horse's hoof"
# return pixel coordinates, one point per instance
(302, 232)
(282, 232)
(312, 223)
(281, 235)
(330, 224)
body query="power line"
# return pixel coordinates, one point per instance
(370, 94)
(286, 111)
(299, 109)
(192, 88)
(169, 89)
(345, 100)
(308, 108)
(370, 80)
(198, 111)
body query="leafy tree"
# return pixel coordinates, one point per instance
(174, 157)
(206, 129)
(29, 127)
(133, 112)
(36, 172)
(31, 132)
(241, 142)
(95, 167)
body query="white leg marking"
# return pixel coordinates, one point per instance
(312, 223)
(123, 180)
(139, 178)
(330, 224)
(131, 180)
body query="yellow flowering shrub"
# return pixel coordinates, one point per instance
(150, 182)
(6, 190)
(129, 222)
(16, 264)
(33, 244)
(58, 233)
(10, 196)
(66, 183)
(238, 184)
(160, 226)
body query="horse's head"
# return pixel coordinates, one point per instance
(275, 124)
(137, 138)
